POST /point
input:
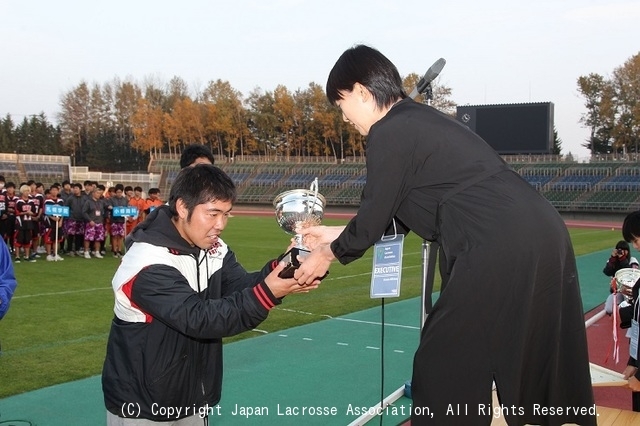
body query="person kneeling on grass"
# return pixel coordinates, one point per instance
(179, 290)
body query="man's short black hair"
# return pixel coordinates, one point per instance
(192, 152)
(201, 184)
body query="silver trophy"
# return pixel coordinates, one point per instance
(295, 209)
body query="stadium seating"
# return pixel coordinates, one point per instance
(598, 186)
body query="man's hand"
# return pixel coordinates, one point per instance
(281, 287)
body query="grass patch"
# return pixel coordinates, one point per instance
(57, 327)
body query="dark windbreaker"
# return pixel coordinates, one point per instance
(174, 304)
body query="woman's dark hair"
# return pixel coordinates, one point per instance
(631, 227)
(201, 184)
(365, 65)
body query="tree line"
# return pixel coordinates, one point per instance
(613, 108)
(118, 125)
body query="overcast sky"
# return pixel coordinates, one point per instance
(497, 51)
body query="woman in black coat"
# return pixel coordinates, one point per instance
(511, 312)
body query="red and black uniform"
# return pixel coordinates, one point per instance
(39, 227)
(3, 213)
(10, 223)
(25, 221)
(49, 234)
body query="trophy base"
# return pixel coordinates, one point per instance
(291, 257)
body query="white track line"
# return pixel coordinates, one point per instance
(86, 290)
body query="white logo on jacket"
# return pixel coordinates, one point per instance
(142, 255)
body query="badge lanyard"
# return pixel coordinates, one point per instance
(633, 343)
(385, 282)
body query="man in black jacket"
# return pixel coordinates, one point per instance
(179, 290)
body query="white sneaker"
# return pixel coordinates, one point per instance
(97, 254)
(58, 257)
(41, 250)
(87, 255)
(50, 258)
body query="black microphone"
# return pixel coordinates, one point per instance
(429, 76)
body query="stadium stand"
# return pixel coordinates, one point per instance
(47, 169)
(602, 185)
(568, 185)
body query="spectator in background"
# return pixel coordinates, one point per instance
(3, 208)
(74, 228)
(117, 222)
(153, 201)
(53, 225)
(65, 191)
(37, 192)
(196, 154)
(108, 193)
(89, 186)
(619, 259)
(10, 198)
(128, 192)
(93, 213)
(140, 204)
(25, 223)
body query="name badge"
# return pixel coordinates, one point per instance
(387, 267)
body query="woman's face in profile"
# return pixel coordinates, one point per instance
(358, 108)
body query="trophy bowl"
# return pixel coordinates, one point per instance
(626, 278)
(298, 208)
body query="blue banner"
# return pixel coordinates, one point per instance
(124, 211)
(56, 210)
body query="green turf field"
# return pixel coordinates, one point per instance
(57, 326)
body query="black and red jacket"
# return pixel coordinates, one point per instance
(174, 304)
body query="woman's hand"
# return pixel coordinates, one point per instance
(314, 266)
(315, 236)
(629, 371)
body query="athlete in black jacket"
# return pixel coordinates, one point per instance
(179, 290)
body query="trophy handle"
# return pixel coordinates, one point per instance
(314, 189)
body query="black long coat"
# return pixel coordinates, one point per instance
(511, 311)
